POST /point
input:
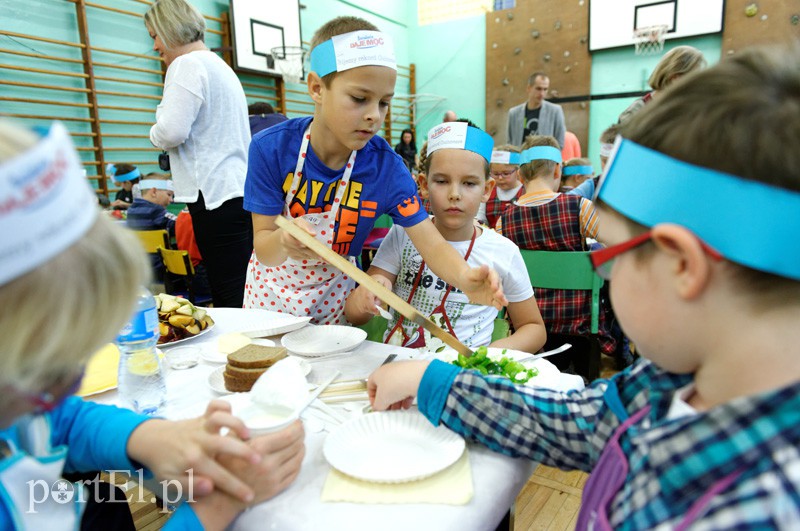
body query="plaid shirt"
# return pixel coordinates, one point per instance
(495, 206)
(672, 462)
(556, 226)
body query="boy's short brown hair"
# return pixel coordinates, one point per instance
(338, 26)
(610, 134)
(578, 161)
(535, 168)
(511, 148)
(740, 117)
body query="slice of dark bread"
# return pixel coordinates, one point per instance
(256, 357)
(240, 380)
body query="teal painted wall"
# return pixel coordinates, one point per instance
(451, 71)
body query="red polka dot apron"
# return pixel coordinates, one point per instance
(311, 288)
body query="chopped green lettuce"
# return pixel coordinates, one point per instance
(481, 362)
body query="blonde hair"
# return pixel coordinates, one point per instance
(338, 26)
(54, 317)
(676, 62)
(176, 22)
(578, 161)
(538, 168)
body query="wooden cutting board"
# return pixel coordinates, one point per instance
(375, 287)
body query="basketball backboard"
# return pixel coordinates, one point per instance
(258, 27)
(612, 22)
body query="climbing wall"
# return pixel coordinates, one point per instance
(538, 35)
(748, 23)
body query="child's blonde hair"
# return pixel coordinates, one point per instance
(578, 161)
(55, 316)
(538, 168)
(338, 26)
(748, 108)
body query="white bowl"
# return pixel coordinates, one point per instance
(258, 419)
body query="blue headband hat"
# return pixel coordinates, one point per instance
(131, 175)
(47, 204)
(649, 188)
(540, 153)
(505, 157)
(159, 184)
(577, 170)
(351, 50)
(459, 135)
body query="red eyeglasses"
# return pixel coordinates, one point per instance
(508, 173)
(603, 259)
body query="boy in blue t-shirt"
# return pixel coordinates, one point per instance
(335, 178)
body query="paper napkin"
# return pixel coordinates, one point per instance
(101, 371)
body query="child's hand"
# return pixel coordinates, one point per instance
(293, 248)
(395, 386)
(281, 455)
(170, 448)
(482, 286)
(282, 452)
(364, 301)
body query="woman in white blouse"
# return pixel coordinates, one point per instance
(202, 123)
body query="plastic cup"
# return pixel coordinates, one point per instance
(180, 358)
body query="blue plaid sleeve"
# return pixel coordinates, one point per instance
(565, 430)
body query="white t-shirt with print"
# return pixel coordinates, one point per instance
(472, 323)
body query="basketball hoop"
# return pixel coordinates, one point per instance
(649, 40)
(289, 62)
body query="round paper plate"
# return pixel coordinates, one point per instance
(217, 382)
(392, 447)
(315, 341)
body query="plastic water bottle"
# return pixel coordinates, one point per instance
(141, 381)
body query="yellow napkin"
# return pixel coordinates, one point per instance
(451, 486)
(101, 371)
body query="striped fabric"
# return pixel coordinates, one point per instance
(495, 207)
(672, 462)
(556, 226)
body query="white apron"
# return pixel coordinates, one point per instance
(30, 481)
(311, 288)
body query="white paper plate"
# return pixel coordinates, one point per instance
(315, 341)
(212, 355)
(277, 323)
(217, 382)
(548, 373)
(185, 339)
(392, 447)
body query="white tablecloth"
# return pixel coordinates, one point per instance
(497, 479)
